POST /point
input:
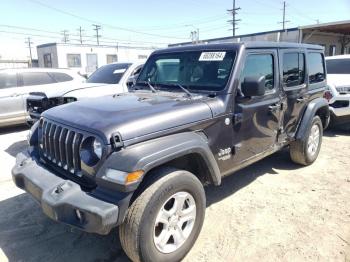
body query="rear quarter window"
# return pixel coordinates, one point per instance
(316, 68)
(61, 77)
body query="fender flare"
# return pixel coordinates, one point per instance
(152, 153)
(309, 113)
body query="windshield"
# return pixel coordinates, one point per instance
(338, 66)
(195, 70)
(109, 74)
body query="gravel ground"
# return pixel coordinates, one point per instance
(272, 210)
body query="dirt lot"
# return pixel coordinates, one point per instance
(272, 210)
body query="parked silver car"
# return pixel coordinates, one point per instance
(16, 84)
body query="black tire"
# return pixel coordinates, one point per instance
(299, 148)
(137, 231)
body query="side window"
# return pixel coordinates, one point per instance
(316, 68)
(293, 69)
(73, 60)
(260, 65)
(61, 77)
(8, 80)
(36, 78)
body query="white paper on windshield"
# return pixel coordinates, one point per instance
(119, 71)
(212, 56)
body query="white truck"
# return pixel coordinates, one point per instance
(107, 80)
(338, 93)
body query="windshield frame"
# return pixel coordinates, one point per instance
(166, 86)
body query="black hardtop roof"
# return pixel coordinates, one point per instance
(236, 46)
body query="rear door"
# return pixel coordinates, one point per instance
(294, 85)
(11, 102)
(256, 119)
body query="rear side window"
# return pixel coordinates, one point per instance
(61, 77)
(36, 78)
(338, 66)
(8, 80)
(260, 65)
(316, 68)
(293, 69)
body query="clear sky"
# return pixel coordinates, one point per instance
(151, 22)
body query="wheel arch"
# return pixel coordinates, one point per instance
(319, 107)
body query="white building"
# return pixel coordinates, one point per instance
(87, 58)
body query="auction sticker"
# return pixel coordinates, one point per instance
(212, 56)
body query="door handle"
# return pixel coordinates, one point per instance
(274, 107)
(14, 95)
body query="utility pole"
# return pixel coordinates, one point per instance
(284, 21)
(29, 42)
(80, 30)
(234, 21)
(65, 38)
(97, 27)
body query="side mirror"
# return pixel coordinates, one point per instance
(253, 86)
(131, 81)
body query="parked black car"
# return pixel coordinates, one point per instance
(196, 114)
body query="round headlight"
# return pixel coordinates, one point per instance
(97, 147)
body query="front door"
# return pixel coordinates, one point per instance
(257, 119)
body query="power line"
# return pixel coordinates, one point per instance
(65, 38)
(102, 24)
(284, 21)
(29, 42)
(234, 21)
(59, 34)
(97, 28)
(80, 30)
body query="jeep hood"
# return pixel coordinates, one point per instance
(131, 114)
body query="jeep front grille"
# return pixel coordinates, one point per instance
(61, 146)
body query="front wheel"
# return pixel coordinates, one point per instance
(165, 220)
(306, 150)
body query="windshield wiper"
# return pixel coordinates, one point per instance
(188, 93)
(148, 84)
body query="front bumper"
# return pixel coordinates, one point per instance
(63, 200)
(340, 105)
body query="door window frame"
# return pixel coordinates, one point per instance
(318, 85)
(306, 76)
(274, 54)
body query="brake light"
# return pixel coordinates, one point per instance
(328, 95)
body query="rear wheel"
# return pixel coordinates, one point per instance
(306, 150)
(165, 220)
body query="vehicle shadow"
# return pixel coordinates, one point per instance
(26, 234)
(233, 183)
(334, 132)
(13, 129)
(16, 147)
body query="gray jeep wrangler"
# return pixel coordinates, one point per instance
(140, 160)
